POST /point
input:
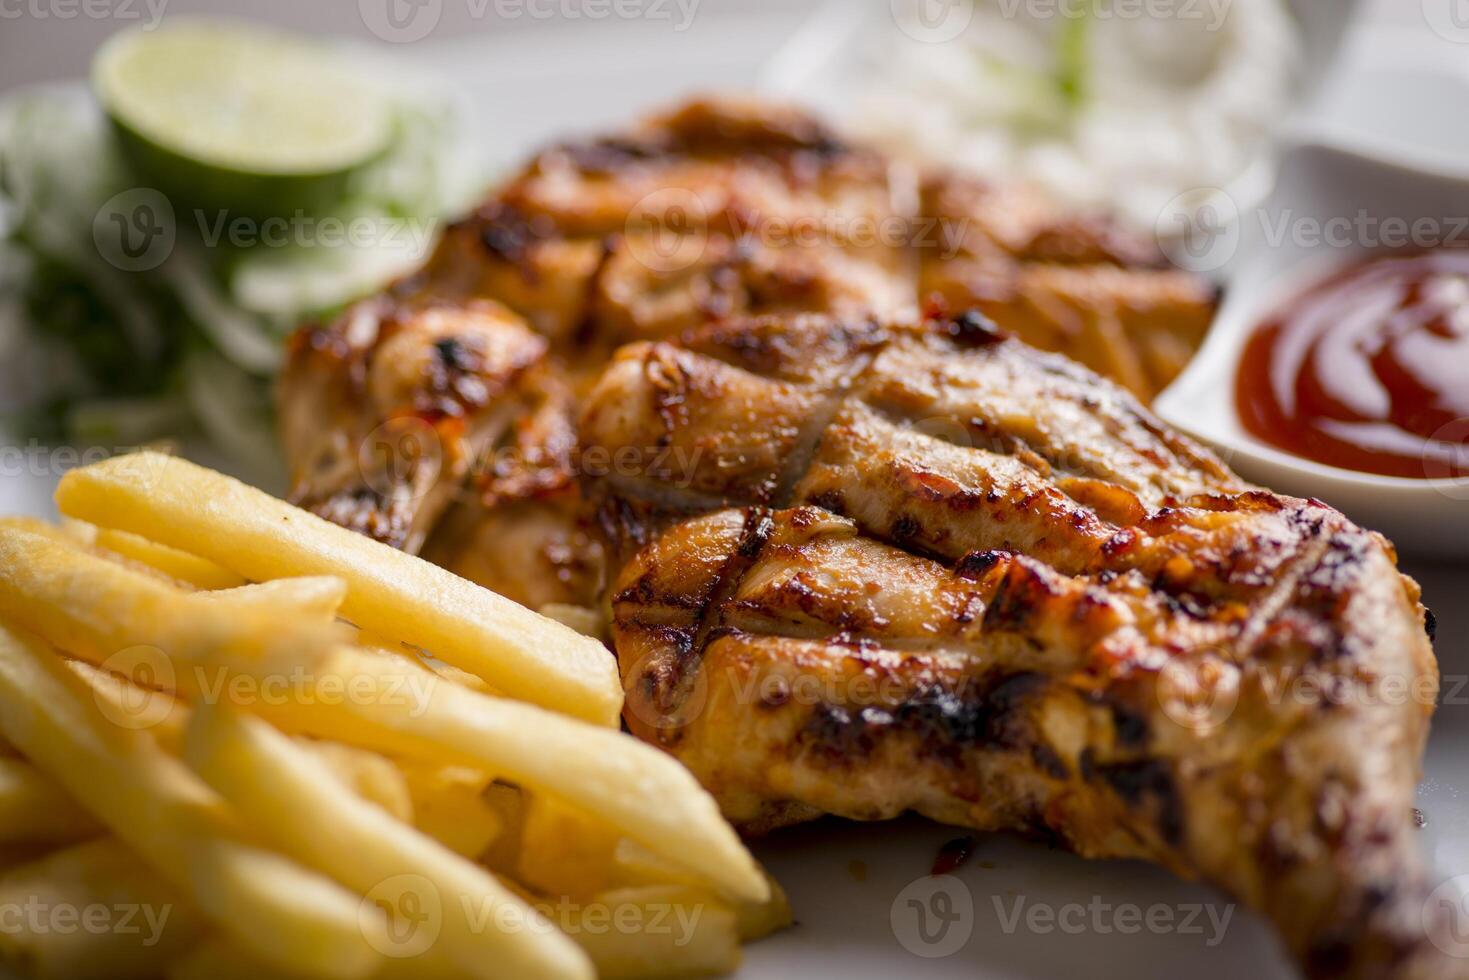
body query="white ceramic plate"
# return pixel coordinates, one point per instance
(852, 886)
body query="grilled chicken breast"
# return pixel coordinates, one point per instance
(923, 566)
(857, 561)
(444, 409)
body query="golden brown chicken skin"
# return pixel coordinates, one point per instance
(440, 415)
(987, 586)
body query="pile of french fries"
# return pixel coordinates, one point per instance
(241, 741)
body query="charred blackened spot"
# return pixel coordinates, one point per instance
(1144, 781)
(972, 329)
(611, 154)
(758, 528)
(905, 528)
(977, 564)
(452, 354)
(1048, 761)
(1130, 726)
(945, 723)
(508, 234)
(1430, 625)
(1025, 592)
(839, 735)
(831, 500)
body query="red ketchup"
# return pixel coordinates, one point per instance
(1368, 369)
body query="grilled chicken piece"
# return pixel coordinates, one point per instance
(1078, 284)
(922, 566)
(446, 406)
(715, 209)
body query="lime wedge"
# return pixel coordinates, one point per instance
(230, 116)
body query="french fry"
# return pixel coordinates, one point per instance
(283, 791)
(216, 958)
(635, 865)
(33, 809)
(639, 791)
(94, 910)
(756, 920)
(293, 918)
(653, 932)
(564, 851)
(315, 597)
(178, 565)
(452, 810)
(132, 706)
(508, 802)
(396, 595)
(124, 620)
(127, 705)
(372, 776)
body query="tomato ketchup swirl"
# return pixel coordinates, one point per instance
(1368, 369)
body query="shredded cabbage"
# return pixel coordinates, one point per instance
(191, 345)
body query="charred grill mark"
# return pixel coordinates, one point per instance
(976, 565)
(1142, 783)
(945, 723)
(971, 329)
(508, 234)
(804, 453)
(1129, 725)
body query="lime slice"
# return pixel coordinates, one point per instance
(229, 116)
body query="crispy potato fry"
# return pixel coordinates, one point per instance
(391, 593)
(314, 597)
(508, 802)
(153, 803)
(33, 809)
(564, 851)
(201, 573)
(130, 623)
(94, 910)
(132, 706)
(756, 920)
(216, 958)
(484, 928)
(372, 776)
(452, 809)
(127, 705)
(640, 792)
(653, 932)
(635, 865)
